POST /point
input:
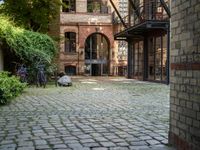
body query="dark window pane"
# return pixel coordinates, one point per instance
(70, 70)
(70, 42)
(70, 6)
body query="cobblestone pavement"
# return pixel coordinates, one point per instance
(95, 113)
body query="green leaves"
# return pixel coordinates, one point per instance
(32, 48)
(10, 87)
(32, 14)
(26, 44)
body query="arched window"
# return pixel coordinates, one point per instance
(70, 42)
(70, 6)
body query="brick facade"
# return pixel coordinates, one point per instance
(84, 31)
(84, 24)
(185, 75)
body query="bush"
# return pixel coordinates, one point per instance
(10, 87)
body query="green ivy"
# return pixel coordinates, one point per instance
(32, 48)
(10, 87)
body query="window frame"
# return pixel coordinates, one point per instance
(70, 9)
(103, 8)
(70, 42)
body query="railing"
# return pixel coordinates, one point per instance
(150, 10)
(116, 21)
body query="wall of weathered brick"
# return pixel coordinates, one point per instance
(185, 75)
(81, 5)
(85, 18)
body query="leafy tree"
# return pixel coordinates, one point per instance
(31, 14)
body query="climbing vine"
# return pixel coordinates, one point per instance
(32, 48)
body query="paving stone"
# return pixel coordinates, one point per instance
(153, 142)
(6, 142)
(91, 145)
(41, 147)
(122, 144)
(40, 142)
(25, 143)
(100, 139)
(8, 146)
(145, 138)
(26, 148)
(75, 146)
(107, 144)
(140, 143)
(81, 116)
(139, 147)
(119, 148)
(84, 136)
(87, 141)
(59, 146)
(99, 148)
(71, 141)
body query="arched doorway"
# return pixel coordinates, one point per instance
(97, 55)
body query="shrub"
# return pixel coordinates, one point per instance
(10, 87)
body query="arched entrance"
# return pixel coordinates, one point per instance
(97, 55)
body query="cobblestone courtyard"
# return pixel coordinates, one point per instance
(95, 113)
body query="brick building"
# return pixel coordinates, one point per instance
(87, 44)
(185, 75)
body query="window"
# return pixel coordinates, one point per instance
(70, 6)
(157, 58)
(70, 70)
(97, 6)
(138, 60)
(70, 42)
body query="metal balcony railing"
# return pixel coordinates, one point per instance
(146, 11)
(150, 10)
